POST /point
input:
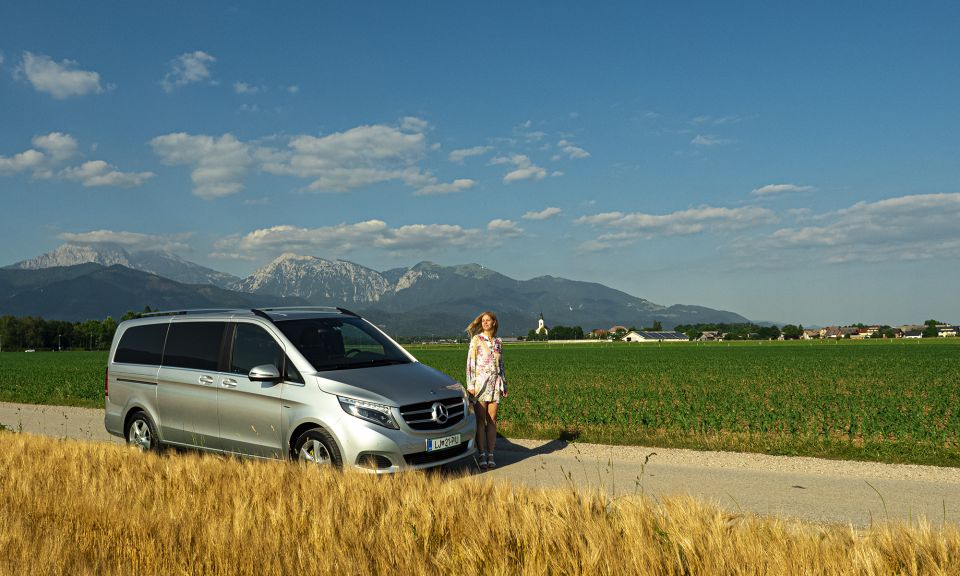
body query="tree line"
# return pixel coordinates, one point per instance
(35, 333)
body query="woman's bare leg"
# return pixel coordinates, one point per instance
(491, 425)
(481, 410)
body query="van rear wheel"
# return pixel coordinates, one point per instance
(317, 447)
(142, 433)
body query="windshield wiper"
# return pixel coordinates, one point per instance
(363, 364)
(387, 361)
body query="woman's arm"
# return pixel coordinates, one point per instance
(503, 375)
(471, 365)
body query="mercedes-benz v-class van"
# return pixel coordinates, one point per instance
(319, 385)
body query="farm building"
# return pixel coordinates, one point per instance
(645, 336)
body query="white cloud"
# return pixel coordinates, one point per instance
(681, 223)
(571, 151)
(544, 214)
(716, 121)
(414, 124)
(462, 154)
(99, 173)
(773, 189)
(187, 68)
(504, 228)
(58, 146)
(458, 185)
(707, 140)
(370, 234)
(420, 237)
(902, 228)
(293, 89)
(593, 246)
(219, 164)
(244, 88)
(525, 169)
(129, 240)
(1, 58)
(28, 160)
(59, 79)
(361, 156)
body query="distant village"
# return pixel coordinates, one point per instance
(728, 332)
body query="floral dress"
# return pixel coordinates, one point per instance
(485, 369)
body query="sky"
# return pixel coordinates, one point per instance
(791, 162)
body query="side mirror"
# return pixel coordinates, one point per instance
(264, 373)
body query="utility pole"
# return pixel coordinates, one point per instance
(59, 347)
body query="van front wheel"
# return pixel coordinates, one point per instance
(318, 448)
(142, 434)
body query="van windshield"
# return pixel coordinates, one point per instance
(341, 343)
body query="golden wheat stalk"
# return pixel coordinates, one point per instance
(72, 507)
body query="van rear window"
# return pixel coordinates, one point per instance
(194, 345)
(141, 344)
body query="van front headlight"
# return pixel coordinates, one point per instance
(369, 411)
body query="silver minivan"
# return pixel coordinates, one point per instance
(319, 385)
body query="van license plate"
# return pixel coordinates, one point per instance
(441, 443)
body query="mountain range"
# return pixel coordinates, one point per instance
(78, 282)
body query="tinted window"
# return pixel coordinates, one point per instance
(141, 344)
(340, 343)
(293, 375)
(194, 345)
(254, 346)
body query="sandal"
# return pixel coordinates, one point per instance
(490, 462)
(483, 459)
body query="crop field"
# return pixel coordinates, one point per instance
(893, 401)
(77, 508)
(56, 378)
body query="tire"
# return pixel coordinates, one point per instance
(316, 447)
(141, 432)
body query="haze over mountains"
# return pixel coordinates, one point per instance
(77, 282)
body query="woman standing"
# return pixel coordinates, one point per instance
(486, 383)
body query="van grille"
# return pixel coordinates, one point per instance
(419, 416)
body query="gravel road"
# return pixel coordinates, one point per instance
(811, 489)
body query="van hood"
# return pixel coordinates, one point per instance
(395, 385)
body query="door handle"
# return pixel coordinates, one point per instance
(206, 379)
(229, 383)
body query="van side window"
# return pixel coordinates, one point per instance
(194, 345)
(293, 375)
(142, 345)
(254, 346)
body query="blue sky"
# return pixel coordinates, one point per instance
(793, 163)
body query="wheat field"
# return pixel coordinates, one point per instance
(73, 507)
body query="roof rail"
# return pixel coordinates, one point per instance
(188, 311)
(306, 308)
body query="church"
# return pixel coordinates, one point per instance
(541, 327)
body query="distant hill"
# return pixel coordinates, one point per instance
(430, 299)
(423, 300)
(159, 262)
(93, 291)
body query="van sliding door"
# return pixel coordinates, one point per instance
(188, 383)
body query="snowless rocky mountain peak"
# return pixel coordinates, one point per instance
(159, 262)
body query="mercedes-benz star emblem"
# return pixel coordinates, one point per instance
(440, 413)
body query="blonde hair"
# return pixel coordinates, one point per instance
(476, 327)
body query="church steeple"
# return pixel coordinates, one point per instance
(541, 327)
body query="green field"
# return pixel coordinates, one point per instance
(894, 401)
